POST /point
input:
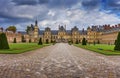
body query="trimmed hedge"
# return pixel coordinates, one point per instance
(40, 41)
(3, 41)
(117, 43)
(84, 42)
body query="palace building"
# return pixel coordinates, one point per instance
(105, 34)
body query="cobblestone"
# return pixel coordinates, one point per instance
(59, 61)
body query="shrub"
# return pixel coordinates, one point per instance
(40, 41)
(14, 40)
(3, 41)
(84, 41)
(117, 44)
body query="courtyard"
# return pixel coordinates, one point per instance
(59, 61)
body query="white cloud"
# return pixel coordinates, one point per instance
(51, 13)
(52, 17)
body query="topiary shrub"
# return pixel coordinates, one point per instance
(40, 41)
(3, 41)
(117, 44)
(84, 41)
(14, 40)
(94, 43)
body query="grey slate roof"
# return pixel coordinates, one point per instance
(41, 32)
(55, 32)
(83, 32)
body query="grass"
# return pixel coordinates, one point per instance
(16, 48)
(100, 48)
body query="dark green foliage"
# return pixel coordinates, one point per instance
(84, 41)
(3, 41)
(12, 28)
(14, 40)
(23, 39)
(77, 42)
(47, 42)
(40, 41)
(117, 44)
(28, 29)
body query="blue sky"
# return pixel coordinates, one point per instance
(51, 13)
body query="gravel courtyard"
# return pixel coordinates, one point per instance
(59, 61)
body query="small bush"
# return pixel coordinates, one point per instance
(117, 43)
(3, 41)
(14, 40)
(40, 41)
(84, 41)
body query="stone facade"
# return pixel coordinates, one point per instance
(10, 36)
(105, 34)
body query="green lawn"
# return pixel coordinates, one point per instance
(100, 48)
(16, 48)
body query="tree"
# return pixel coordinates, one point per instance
(14, 40)
(28, 29)
(12, 28)
(47, 41)
(3, 41)
(84, 41)
(117, 44)
(40, 41)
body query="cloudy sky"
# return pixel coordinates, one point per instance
(51, 13)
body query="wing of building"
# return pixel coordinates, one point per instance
(105, 34)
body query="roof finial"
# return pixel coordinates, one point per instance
(36, 22)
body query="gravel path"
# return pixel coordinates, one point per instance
(59, 61)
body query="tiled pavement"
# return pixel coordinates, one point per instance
(59, 61)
